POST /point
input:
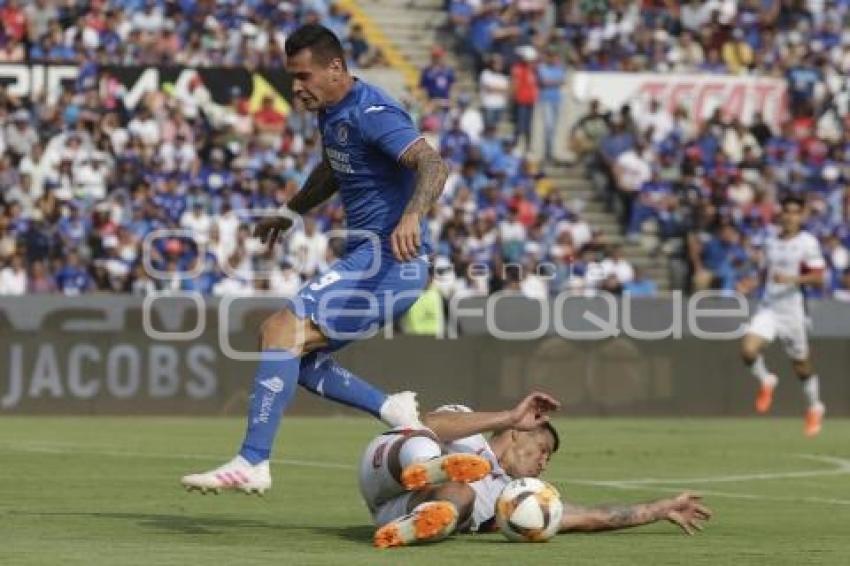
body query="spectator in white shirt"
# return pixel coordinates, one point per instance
(617, 266)
(179, 155)
(578, 229)
(632, 169)
(308, 248)
(471, 120)
(284, 279)
(199, 222)
(228, 226)
(512, 234)
(37, 167)
(656, 122)
(843, 293)
(533, 285)
(149, 19)
(234, 282)
(494, 87)
(13, 278)
(144, 127)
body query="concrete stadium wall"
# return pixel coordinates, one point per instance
(90, 355)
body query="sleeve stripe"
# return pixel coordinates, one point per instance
(408, 146)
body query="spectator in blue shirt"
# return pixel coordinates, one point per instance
(213, 176)
(73, 228)
(551, 75)
(73, 279)
(640, 286)
(723, 257)
(802, 79)
(651, 202)
(171, 202)
(437, 78)
(455, 143)
(460, 16)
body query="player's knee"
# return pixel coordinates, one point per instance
(802, 368)
(749, 352)
(460, 495)
(279, 332)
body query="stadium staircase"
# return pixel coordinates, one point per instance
(407, 30)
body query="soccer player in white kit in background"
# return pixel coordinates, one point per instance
(792, 258)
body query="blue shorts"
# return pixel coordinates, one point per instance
(363, 291)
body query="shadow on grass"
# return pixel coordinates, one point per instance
(195, 525)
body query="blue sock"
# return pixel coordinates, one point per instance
(274, 388)
(321, 375)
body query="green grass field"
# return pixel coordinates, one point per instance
(104, 491)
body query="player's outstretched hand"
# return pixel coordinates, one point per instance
(533, 411)
(405, 238)
(687, 511)
(269, 228)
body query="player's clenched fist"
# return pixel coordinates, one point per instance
(532, 411)
(405, 238)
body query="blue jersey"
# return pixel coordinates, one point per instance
(363, 136)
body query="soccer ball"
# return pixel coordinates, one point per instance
(529, 510)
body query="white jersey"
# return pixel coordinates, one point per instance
(386, 498)
(789, 256)
(488, 489)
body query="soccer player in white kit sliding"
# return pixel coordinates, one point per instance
(792, 258)
(422, 484)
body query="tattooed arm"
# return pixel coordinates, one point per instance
(685, 510)
(319, 187)
(431, 175)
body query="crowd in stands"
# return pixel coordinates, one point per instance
(197, 33)
(707, 187)
(85, 179)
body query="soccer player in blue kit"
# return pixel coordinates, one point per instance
(388, 177)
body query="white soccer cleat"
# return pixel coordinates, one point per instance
(401, 410)
(237, 474)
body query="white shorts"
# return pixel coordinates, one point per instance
(386, 499)
(790, 328)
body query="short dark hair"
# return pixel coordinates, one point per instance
(548, 426)
(322, 43)
(792, 199)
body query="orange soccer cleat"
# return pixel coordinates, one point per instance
(464, 468)
(814, 419)
(764, 399)
(428, 522)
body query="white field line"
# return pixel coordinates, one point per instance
(708, 493)
(94, 451)
(841, 466)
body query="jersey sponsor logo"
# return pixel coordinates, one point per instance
(273, 384)
(374, 108)
(339, 160)
(342, 134)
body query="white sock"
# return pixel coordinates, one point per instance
(811, 389)
(760, 372)
(417, 449)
